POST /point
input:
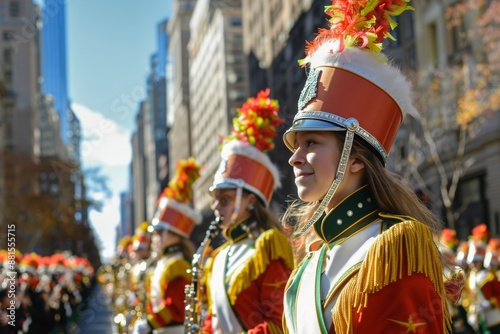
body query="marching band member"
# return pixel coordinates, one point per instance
(119, 286)
(141, 247)
(376, 267)
(246, 276)
(472, 299)
(455, 278)
(173, 224)
(490, 287)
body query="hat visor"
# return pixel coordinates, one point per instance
(223, 185)
(308, 124)
(162, 226)
(158, 225)
(239, 183)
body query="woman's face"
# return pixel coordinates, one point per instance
(314, 163)
(224, 201)
(162, 239)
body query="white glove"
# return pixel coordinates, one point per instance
(141, 327)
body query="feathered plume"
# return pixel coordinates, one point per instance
(358, 23)
(449, 238)
(480, 233)
(256, 122)
(180, 187)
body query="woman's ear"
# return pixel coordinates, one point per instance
(356, 165)
(251, 199)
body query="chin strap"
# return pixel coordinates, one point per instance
(351, 125)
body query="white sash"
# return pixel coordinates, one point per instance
(226, 321)
(306, 317)
(339, 260)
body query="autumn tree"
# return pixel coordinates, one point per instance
(39, 199)
(455, 101)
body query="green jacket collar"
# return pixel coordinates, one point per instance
(349, 216)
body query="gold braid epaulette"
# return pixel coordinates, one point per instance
(422, 256)
(176, 267)
(270, 245)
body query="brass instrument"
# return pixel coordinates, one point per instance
(121, 293)
(138, 311)
(193, 318)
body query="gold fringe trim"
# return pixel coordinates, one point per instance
(205, 280)
(176, 268)
(422, 256)
(274, 328)
(269, 246)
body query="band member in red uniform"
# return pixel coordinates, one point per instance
(173, 223)
(490, 287)
(247, 277)
(373, 265)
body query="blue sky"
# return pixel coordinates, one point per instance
(109, 46)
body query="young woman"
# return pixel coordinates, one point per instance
(368, 261)
(246, 276)
(173, 224)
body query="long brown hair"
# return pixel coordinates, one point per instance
(391, 194)
(265, 218)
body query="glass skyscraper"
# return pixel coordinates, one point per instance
(54, 66)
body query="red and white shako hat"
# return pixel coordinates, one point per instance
(477, 243)
(244, 161)
(175, 212)
(142, 237)
(448, 243)
(491, 258)
(350, 84)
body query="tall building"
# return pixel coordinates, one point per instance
(126, 226)
(54, 63)
(274, 39)
(179, 136)
(139, 165)
(19, 57)
(266, 27)
(157, 109)
(217, 83)
(74, 138)
(50, 140)
(150, 143)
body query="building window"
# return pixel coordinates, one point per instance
(14, 9)
(8, 35)
(236, 21)
(472, 205)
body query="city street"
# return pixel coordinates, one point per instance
(97, 318)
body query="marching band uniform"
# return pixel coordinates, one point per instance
(252, 269)
(454, 281)
(246, 276)
(482, 286)
(370, 271)
(141, 242)
(174, 220)
(490, 287)
(166, 295)
(473, 300)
